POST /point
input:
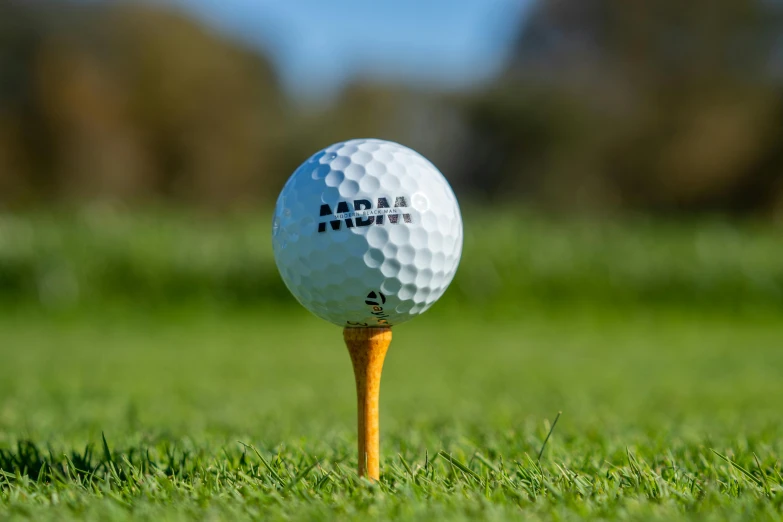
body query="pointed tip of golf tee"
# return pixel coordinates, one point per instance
(367, 347)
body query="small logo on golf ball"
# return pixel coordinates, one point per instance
(364, 214)
(375, 300)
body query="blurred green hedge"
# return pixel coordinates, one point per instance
(510, 261)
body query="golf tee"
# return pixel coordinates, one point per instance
(367, 347)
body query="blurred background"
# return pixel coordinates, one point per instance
(592, 106)
(143, 144)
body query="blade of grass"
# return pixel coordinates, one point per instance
(763, 475)
(551, 429)
(460, 466)
(268, 466)
(739, 468)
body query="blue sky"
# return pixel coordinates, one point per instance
(318, 45)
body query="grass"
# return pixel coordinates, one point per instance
(154, 368)
(243, 415)
(510, 260)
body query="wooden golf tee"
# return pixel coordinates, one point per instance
(367, 347)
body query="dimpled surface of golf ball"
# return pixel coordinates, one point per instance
(367, 233)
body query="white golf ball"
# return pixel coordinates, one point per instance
(367, 232)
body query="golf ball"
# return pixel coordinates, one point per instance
(367, 233)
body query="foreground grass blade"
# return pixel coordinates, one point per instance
(551, 429)
(739, 468)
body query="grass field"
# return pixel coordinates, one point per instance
(240, 406)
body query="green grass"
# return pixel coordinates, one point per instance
(154, 367)
(251, 414)
(511, 261)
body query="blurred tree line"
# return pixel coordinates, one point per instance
(604, 106)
